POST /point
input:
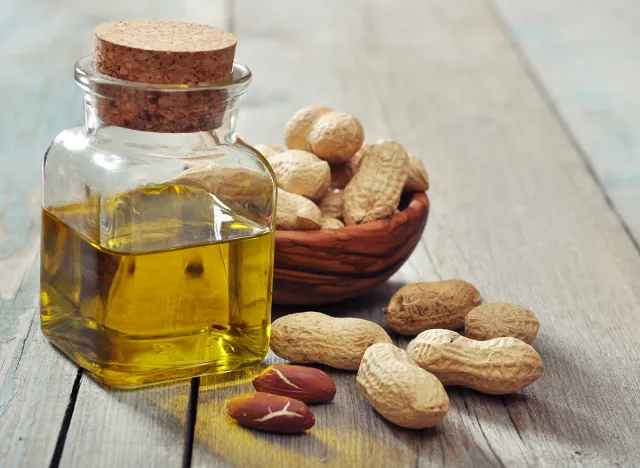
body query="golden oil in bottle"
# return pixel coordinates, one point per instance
(137, 289)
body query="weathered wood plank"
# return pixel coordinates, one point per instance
(127, 428)
(589, 64)
(35, 381)
(514, 210)
(39, 98)
(517, 213)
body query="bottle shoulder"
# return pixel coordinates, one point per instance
(108, 163)
(156, 147)
(71, 139)
(258, 157)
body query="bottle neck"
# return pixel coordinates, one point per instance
(223, 133)
(169, 118)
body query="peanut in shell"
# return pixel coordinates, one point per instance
(399, 389)
(302, 173)
(440, 304)
(498, 367)
(295, 212)
(374, 191)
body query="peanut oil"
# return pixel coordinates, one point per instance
(139, 288)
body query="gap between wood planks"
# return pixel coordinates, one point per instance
(190, 425)
(66, 422)
(527, 66)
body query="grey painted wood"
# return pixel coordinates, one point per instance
(515, 211)
(41, 42)
(35, 381)
(585, 55)
(134, 428)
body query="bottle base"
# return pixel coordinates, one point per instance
(138, 371)
(126, 381)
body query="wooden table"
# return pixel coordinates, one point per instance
(527, 117)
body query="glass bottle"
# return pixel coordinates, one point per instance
(158, 233)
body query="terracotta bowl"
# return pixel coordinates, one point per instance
(321, 267)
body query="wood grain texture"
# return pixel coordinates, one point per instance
(327, 266)
(143, 427)
(41, 42)
(584, 54)
(35, 381)
(514, 210)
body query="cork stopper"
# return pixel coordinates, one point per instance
(163, 52)
(181, 63)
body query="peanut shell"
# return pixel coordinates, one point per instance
(341, 174)
(331, 204)
(301, 172)
(440, 304)
(312, 337)
(295, 212)
(499, 319)
(497, 367)
(375, 190)
(336, 137)
(399, 389)
(224, 180)
(268, 149)
(331, 223)
(357, 158)
(297, 129)
(418, 180)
